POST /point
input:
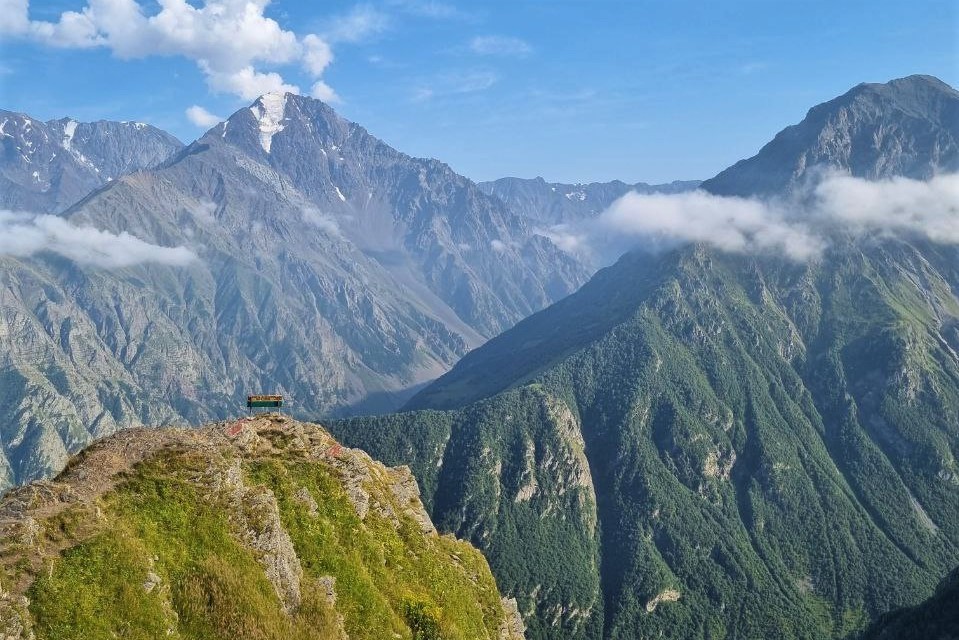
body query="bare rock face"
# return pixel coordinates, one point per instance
(512, 627)
(258, 523)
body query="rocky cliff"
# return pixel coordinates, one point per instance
(261, 528)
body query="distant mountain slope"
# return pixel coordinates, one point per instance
(47, 166)
(715, 444)
(906, 127)
(935, 619)
(263, 529)
(553, 203)
(331, 268)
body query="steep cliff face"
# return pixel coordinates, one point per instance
(261, 528)
(511, 475)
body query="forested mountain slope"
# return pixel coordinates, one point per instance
(935, 619)
(713, 444)
(774, 444)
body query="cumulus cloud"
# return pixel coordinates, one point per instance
(799, 228)
(23, 235)
(201, 117)
(227, 39)
(499, 46)
(729, 223)
(324, 92)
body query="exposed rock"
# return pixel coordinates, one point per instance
(668, 595)
(512, 627)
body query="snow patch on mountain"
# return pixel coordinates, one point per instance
(268, 111)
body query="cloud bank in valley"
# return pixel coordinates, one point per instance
(23, 235)
(799, 227)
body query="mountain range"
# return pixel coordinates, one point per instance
(47, 166)
(691, 443)
(554, 203)
(701, 443)
(326, 266)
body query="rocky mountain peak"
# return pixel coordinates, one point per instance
(906, 127)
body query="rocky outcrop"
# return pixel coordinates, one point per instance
(278, 489)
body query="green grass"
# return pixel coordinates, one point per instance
(213, 587)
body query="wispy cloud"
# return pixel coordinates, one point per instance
(23, 235)
(360, 23)
(322, 221)
(428, 9)
(456, 83)
(202, 118)
(500, 46)
(799, 228)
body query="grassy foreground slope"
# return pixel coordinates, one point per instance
(768, 448)
(264, 529)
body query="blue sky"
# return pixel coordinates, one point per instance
(572, 91)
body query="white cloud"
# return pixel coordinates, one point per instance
(228, 39)
(500, 46)
(201, 117)
(248, 83)
(799, 228)
(324, 222)
(427, 8)
(729, 223)
(928, 209)
(324, 92)
(23, 235)
(498, 246)
(204, 212)
(566, 237)
(362, 22)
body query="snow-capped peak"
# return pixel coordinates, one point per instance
(268, 111)
(69, 128)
